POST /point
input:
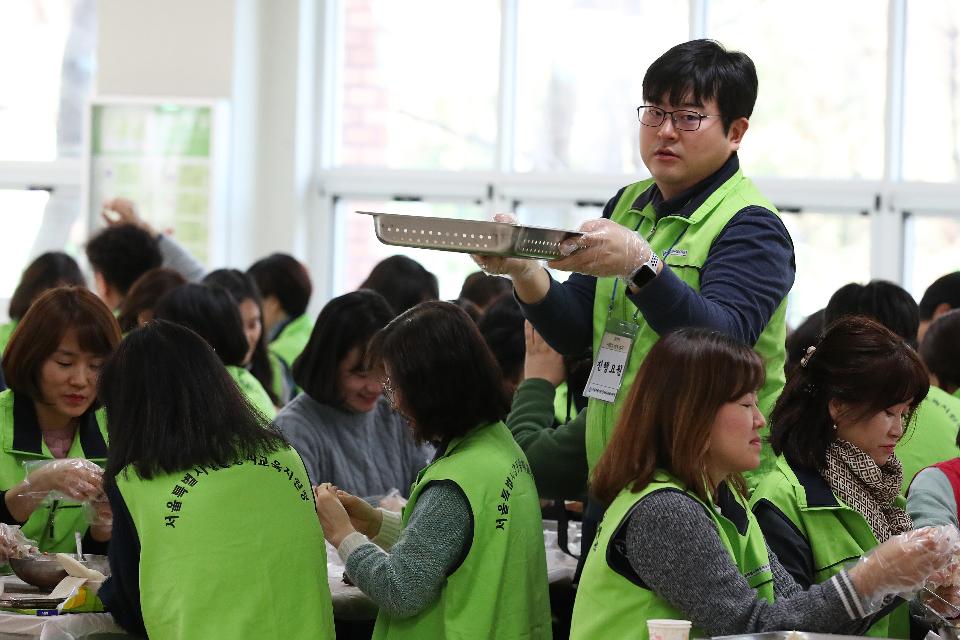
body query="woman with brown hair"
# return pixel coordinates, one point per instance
(835, 492)
(678, 540)
(49, 415)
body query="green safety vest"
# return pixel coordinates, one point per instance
(837, 534)
(53, 522)
(235, 552)
(932, 434)
(612, 604)
(500, 589)
(277, 380)
(6, 330)
(683, 243)
(251, 388)
(292, 339)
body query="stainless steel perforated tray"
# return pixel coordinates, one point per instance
(469, 236)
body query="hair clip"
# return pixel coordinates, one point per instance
(805, 359)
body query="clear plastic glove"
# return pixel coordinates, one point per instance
(541, 360)
(605, 249)
(945, 601)
(904, 564)
(98, 512)
(72, 478)
(513, 268)
(117, 211)
(393, 501)
(13, 544)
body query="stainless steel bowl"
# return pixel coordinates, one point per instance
(43, 571)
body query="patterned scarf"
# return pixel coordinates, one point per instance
(871, 490)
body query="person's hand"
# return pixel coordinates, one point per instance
(363, 516)
(904, 563)
(75, 478)
(949, 593)
(101, 526)
(333, 517)
(513, 268)
(117, 211)
(605, 249)
(13, 544)
(541, 360)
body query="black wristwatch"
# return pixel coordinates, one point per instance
(646, 272)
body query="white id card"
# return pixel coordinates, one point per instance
(606, 376)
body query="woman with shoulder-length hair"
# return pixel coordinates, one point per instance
(466, 558)
(342, 427)
(678, 539)
(213, 314)
(213, 510)
(49, 415)
(835, 492)
(47, 271)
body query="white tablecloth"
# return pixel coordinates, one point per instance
(63, 627)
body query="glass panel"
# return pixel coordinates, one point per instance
(359, 250)
(24, 233)
(832, 250)
(416, 95)
(930, 250)
(931, 123)
(822, 71)
(576, 97)
(46, 62)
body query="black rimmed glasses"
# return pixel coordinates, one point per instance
(683, 119)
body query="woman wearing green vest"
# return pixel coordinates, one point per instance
(212, 312)
(49, 415)
(215, 533)
(678, 541)
(835, 492)
(49, 270)
(286, 289)
(265, 366)
(466, 558)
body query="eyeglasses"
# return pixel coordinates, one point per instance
(683, 119)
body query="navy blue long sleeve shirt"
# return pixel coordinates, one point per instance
(748, 272)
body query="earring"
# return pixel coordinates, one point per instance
(834, 427)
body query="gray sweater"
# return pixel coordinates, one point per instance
(366, 454)
(930, 501)
(673, 546)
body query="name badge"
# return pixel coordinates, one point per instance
(606, 376)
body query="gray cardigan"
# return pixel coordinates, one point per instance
(366, 454)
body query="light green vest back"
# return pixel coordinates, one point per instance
(251, 388)
(6, 330)
(235, 552)
(500, 590)
(932, 434)
(53, 522)
(292, 339)
(610, 605)
(683, 244)
(837, 535)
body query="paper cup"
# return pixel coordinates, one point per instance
(668, 629)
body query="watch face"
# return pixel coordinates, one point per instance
(644, 275)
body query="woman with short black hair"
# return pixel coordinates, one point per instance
(466, 558)
(835, 492)
(346, 433)
(206, 497)
(213, 314)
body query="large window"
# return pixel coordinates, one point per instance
(932, 243)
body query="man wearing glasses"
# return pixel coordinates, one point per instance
(696, 245)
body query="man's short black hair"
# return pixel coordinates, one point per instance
(945, 289)
(701, 70)
(122, 254)
(282, 276)
(887, 303)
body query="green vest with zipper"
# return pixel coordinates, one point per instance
(251, 388)
(6, 330)
(837, 534)
(683, 243)
(53, 522)
(292, 339)
(610, 604)
(500, 589)
(234, 552)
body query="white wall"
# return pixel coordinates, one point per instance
(250, 52)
